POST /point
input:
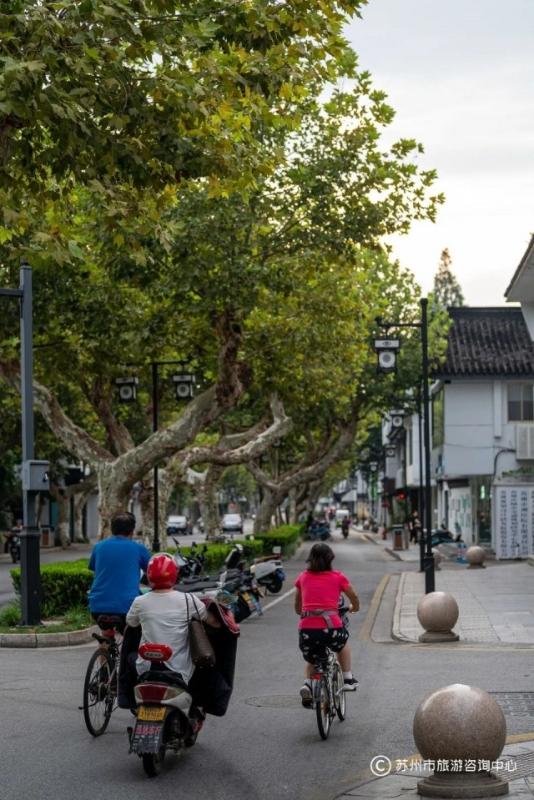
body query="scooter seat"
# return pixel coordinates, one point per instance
(196, 586)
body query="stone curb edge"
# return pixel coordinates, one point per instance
(32, 640)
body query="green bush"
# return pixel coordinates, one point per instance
(285, 536)
(10, 615)
(64, 586)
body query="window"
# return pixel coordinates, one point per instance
(520, 402)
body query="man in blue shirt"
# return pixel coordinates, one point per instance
(117, 563)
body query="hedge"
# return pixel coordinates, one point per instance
(64, 585)
(216, 553)
(285, 536)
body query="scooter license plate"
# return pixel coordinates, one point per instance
(146, 737)
(151, 713)
(246, 597)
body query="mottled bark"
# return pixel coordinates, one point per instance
(204, 487)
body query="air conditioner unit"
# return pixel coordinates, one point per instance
(524, 442)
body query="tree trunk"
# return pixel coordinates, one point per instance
(146, 504)
(266, 511)
(204, 487)
(63, 518)
(113, 495)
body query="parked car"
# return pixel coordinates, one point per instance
(178, 524)
(232, 523)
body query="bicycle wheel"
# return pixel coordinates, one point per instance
(340, 699)
(98, 695)
(322, 706)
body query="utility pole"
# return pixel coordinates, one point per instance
(34, 474)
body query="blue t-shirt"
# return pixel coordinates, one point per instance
(117, 563)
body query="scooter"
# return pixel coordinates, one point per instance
(166, 719)
(235, 586)
(269, 573)
(318, 531)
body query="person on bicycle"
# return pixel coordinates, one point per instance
(117, 563)
(318, 591)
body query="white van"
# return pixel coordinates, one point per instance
(341, 514)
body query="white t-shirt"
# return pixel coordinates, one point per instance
(163, 619)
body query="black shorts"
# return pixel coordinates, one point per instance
(314, 642)
(120, 624)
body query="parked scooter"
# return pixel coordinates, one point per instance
(235, 586)
(269, 573)
(166, 719)
(318, 531)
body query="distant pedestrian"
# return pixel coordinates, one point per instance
(414, 523)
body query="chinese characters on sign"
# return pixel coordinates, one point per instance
(514, 521)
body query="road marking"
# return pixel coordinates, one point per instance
(365, 630)
(279, 599)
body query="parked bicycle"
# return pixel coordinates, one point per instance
(327, 691)
(101, 677)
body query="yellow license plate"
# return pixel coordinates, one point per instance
(151, 714)
(246, 597)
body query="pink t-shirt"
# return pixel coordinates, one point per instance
(321, 590)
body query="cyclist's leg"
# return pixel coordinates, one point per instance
(312, 645)
(342, 649)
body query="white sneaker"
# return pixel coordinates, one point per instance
(350, 685)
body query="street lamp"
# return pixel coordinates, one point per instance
(127, 389)
(184, 383)
(428, 559)
(387, 351)
(34, 474)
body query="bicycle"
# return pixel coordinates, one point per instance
(101, 677)
(327, 693)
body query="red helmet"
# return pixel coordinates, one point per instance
(162, 572)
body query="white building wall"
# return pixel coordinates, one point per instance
(476, 429)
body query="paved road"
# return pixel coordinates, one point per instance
(267, 746)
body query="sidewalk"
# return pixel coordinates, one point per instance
(404, 784)
(82, 548)
(496, 604)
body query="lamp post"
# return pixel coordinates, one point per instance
(391, 346)
(184, 388)
(34, 473)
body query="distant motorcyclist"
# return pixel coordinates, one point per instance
(345, 526)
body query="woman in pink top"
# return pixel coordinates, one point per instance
(318, 592)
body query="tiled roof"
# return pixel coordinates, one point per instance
(488, 341)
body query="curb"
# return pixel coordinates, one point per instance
(31, 640)
(393, 553)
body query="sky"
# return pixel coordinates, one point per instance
(460, 76)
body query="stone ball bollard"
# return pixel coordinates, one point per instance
(438, 614)
(456, 727)
(475, 557)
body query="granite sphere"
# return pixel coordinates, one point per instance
(475, 555)
(459, 722)
(437, 612)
